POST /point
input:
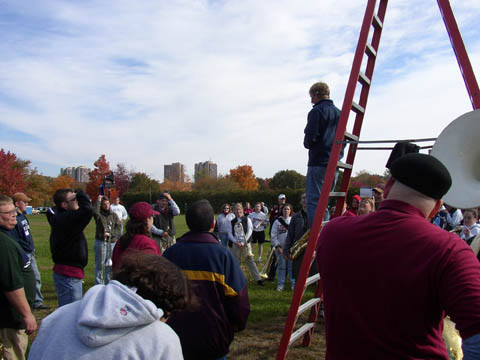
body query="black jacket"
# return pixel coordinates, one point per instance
(67, 241)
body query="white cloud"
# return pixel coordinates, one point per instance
(153, 83)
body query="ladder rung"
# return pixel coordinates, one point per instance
(370, 51)
(363, 79)
(337, 194)
(343, 165)
(350, 136)
(357, 108)
(377, 23)
(312, 279)
(299, 332)
(310, 303)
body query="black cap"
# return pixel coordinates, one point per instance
(424, 173)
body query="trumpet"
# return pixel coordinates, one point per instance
(268, 265)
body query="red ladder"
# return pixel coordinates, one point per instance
(373, 18)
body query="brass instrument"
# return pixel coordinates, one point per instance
(454, 149)
(240, 233)
(457, 230)
(299, 247)
(268, 265)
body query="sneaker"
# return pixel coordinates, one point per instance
(259, 259)
(279, 288)
(42, 307)
(260, 282)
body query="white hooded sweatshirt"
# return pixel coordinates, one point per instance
(110, 322)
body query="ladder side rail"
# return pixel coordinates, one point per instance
(352, 149)
(460, 52)
(328, 181)
(350, 93)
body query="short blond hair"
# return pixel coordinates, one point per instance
(321, 89)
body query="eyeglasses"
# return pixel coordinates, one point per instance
(72, 199)
(11, 212)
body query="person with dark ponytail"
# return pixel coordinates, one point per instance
(137, 235)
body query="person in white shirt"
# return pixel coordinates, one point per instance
(279, 235)
(470, 228)
(119, 210)
(224, 224)
(241, 241)
(259, 221)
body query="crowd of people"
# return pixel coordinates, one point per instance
(392, 265)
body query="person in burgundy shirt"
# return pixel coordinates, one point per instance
(137, 235)
(390, 277)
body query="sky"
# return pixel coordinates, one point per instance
(155, 82)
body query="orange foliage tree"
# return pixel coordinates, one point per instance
(244, 176)
(61, 182)
(102, 168)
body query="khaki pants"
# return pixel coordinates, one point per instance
(14, 343)
(246, 251)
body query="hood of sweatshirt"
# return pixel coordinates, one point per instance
(108, 312)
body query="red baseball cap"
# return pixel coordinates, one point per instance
(142, 211)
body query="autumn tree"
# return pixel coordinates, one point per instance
(38, 188)
(97, 175)
(13, 173)
(288, 179)
(122, 179)
(264, 184)
(366, 179)
(61, 182)
(244, 176)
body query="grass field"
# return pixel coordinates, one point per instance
(268, 307)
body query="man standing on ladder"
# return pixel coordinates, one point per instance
(319, 136)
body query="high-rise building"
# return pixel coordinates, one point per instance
(174, 172)
(79, 173)
(206, 168)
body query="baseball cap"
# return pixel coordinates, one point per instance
(142, 211)
(20, 197)
(281, 196)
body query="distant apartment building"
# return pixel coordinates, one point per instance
(174, 172)
(206, 168)
(79, 173)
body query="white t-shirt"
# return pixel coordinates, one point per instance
(257, 219)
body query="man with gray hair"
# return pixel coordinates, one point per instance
(319, 136)
(390, 277)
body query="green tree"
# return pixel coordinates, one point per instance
(141, 182)
(211, 184)
(288, 179)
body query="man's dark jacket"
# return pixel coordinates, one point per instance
(222, 292)
(320, 132)
(67, 241)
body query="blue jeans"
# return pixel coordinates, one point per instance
(68, 289)
(224, 238)
(38, 280)
(313, 188)
(284, 265)
(99, 261)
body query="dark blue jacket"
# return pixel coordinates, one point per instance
(320, 132)
(221, 289)
(23, 234)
